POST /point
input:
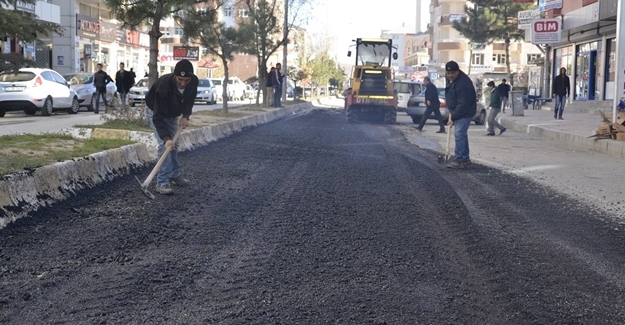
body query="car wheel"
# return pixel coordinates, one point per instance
(2, 113)
(416, 119)
(91, 106)
(75, 106)
(481, 119)
(48, 107)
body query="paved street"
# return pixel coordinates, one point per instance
(310, 220)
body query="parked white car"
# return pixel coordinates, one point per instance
(82, 83)
(236, 89)
(137, 93)
(206, 92)
(33, 90)
(219, 88)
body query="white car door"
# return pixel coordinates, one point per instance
(65, 94)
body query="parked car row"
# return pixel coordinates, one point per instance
(416, 108)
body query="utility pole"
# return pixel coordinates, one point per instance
(284, 48)
(619, 89)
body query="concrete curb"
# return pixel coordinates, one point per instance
(610, 147)
(25, 192)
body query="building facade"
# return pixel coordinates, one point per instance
(477, 59)
(588, 47)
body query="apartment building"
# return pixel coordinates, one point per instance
(588, 47)
(485, 59)
(416, 54)
(45, 12)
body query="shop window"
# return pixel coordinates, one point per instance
(478, 59)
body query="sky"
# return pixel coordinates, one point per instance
(345, 20)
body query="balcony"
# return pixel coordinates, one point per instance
(452, 45)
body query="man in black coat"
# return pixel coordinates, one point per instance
(123, 81)
(432, 104)
(100, 80)
(504, 91)
(169, 97)
(461, 99)
(561, 90)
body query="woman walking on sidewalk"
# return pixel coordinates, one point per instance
(495, 108)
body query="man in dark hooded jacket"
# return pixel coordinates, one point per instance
(461, 100)
(169, 97)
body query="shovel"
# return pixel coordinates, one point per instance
(146, 183)
(444, 159)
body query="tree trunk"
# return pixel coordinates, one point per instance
(470, 58)
(510, 79)
(155, 35)
(224, 86)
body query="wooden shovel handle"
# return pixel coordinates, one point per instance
(161, 161)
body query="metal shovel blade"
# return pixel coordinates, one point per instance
(144, 189)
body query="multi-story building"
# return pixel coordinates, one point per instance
(416, 53)
(486, 59)
(45, 12)
(588, 47)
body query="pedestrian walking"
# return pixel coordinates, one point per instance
(504, 92)
(561, 90)
(495, 106)
(100, 80)
(171, 96)
(461, 99)
(277, 86)
(269, 87)
(432, 104)
(123, 81)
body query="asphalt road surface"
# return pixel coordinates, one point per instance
(310, 220)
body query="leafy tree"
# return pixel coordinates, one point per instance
(217, 39)
(25, 28)
(476, 25)
(506, 29)
(266, 25)
(149, 12)
(298, 74)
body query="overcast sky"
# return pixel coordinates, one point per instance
(345, 20)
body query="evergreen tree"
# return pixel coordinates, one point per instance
(24, 27)
(149, 12)
(477, 25)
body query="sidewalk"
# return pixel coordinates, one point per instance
(573, 130)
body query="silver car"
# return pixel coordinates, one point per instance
(137, 93)
(219, 88)
(206, 92)
(82, 83)
(416, 107)
(33, 89)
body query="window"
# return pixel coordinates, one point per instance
(178, 31)
(243, 13)
(499, 58)
(228, 11)
(478, 59)
(531, 57)
(201, 9)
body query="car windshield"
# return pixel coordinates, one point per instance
(16, 77)
(217, 82)
(373, 53)
(204, 83)
(79, 79)
(441, 92)
(142, 83)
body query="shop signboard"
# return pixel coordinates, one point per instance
(25, 6)
(546, 31)
(108, 31)
(191, 53)
(544, 5)
(132, 37)
(87, 27)
(525, 18)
